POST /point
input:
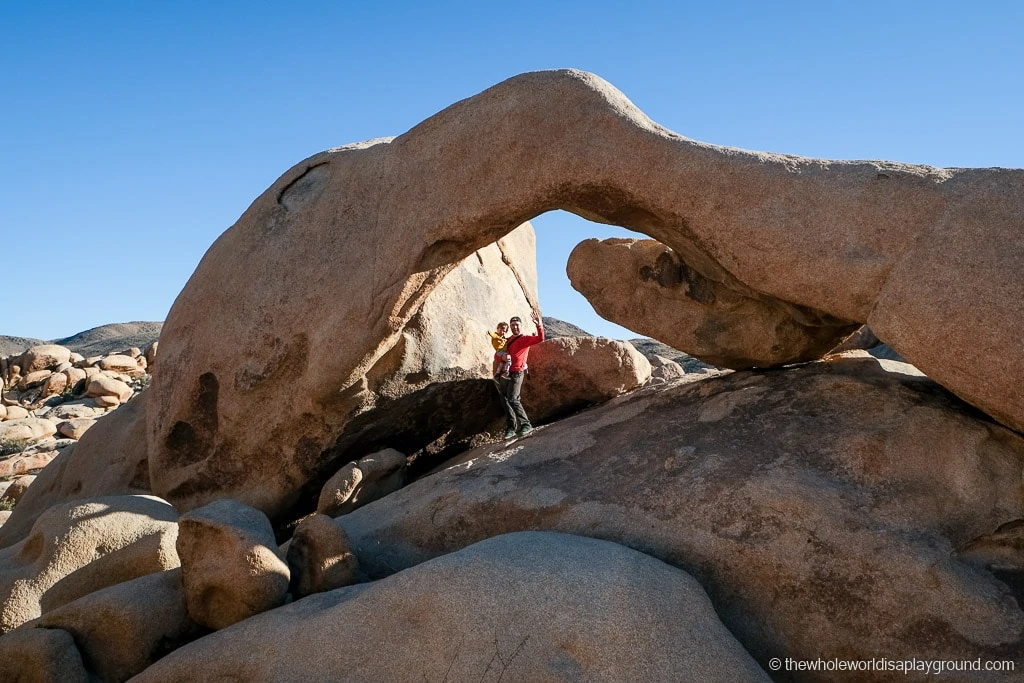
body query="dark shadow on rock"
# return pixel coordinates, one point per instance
(429, 426)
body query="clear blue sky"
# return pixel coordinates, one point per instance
(134, 133)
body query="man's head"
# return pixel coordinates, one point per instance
(515, 323)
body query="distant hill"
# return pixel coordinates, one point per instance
(653, 347)
(553, 327)
(12, 345)
(95, 342)
(115, 337)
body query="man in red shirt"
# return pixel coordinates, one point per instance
(518, 346)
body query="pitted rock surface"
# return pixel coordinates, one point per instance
(346, 245)
(647, 287)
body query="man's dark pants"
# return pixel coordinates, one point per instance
(509, 390)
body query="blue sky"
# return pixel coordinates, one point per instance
(134, 133)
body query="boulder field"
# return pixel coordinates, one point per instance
(312, 486)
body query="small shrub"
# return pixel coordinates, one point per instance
(10, 447)
(6, 504)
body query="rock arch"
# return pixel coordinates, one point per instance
(312, 285)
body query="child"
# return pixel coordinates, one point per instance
(502, 359)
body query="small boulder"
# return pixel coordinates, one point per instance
(55, 384)
(362, 482)
(74, 375)
(666, 369)
(33, 379)
(85, 408)
(119, 363)
(75, 428)
(17, 489)
(26, 461)
(16, 412)
(102, 386)
(320, 557)
(231, 568)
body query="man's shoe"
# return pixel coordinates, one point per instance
(525, 429)
(510, 434)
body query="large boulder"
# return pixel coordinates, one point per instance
(231, 567)
(428, 390)
(77, 548)
(647, 287)
(320, 276)
(122, 629)
(522, 607)
(109, 460)
(569, 373)
(822, 507)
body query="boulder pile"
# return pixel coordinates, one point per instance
(50, 396)
(336, 501)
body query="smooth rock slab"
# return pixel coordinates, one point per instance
(522, 607)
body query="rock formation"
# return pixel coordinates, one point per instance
(822, 507)
(846, 508)
(348, 243)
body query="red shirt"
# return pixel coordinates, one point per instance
(519, 348)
